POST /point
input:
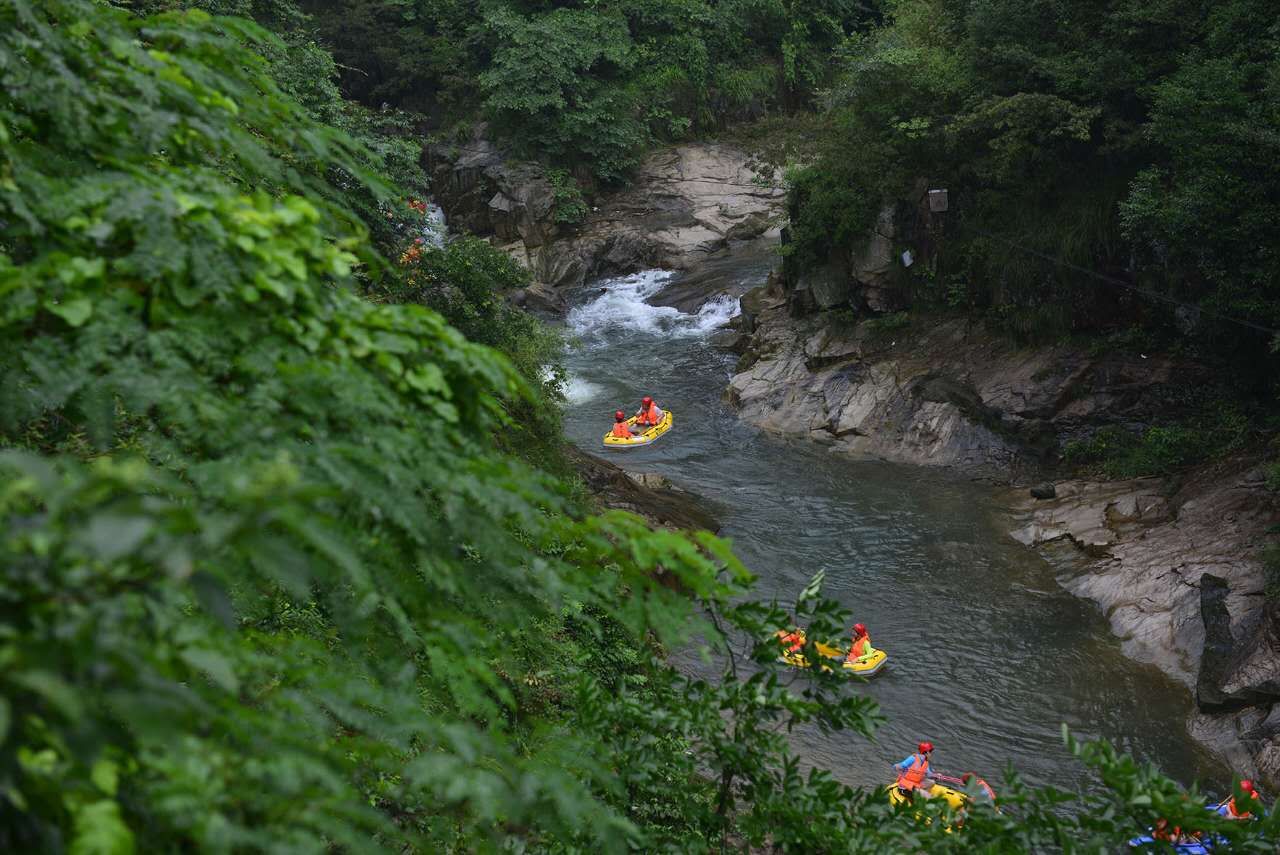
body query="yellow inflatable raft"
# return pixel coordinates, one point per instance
(637, 439)
(865, 665)
(956, 799)
(956, 802)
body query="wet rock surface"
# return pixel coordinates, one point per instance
(686, 205)
(938, 392)
(652, 497)
(1176, 568)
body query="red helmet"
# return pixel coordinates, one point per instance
(646, 400)
(925, 747)
(619, 416)
(1247, 786)
(859, 629)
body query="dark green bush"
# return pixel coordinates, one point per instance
(1160, 450)
(1132, 140)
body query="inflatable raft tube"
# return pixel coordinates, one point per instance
(866, 665)
(1195, 847)
(650, 435)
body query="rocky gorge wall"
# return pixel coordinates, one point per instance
(1173, 562)
(685, 206)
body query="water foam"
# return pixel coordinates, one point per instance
(622, 307)
(578, 390)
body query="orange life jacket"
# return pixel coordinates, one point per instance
(622, 429)
(1234, 812)
(860, 646)
(793, 641)
(915, 773)
(649, 415)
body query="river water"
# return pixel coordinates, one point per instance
(988, 656)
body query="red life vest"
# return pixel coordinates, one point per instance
(859, 648)
(621, 429)
(649, 415)
(915, 773)
(793, 641)
(1234, 812)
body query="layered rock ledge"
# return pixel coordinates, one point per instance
(685, 205)
(1175, 567)
(935, 392)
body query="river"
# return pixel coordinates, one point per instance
(988, 655)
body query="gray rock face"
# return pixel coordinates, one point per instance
(1219, 645)
(651, 496)
(686, 204)
(484, 193)
(938, 393)
(1178, 575)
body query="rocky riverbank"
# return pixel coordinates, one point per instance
(935, 392)
(686, 207)
(1173, 562)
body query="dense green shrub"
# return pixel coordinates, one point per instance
(1131, 139)
(1161, 449)
(270, 585)
(587, 84)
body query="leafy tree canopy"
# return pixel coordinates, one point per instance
(270, 584)
(1136, 139)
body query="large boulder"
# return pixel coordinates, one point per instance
(486, 193)
(1219, 646)
(824, 287)
(876, 268)
(1253, 674)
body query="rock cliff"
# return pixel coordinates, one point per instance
(936, 392)
(1174, 564)
(685, 205)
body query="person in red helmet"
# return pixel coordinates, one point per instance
(649, 413)
(969, 777)
(620, 427)
(913, 772)
(861, 642)
(1244, 807)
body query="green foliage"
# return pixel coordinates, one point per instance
(890, 323)
(1170, 111)
(467, 281)
(587, 85)
(568, 205)
(1273, 478)
(1271, 571)
(1162, 449)
(269, 582)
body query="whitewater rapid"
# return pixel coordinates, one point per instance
(622, 307)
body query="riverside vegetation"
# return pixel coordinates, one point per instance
(274, 578)
(1133, 140)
